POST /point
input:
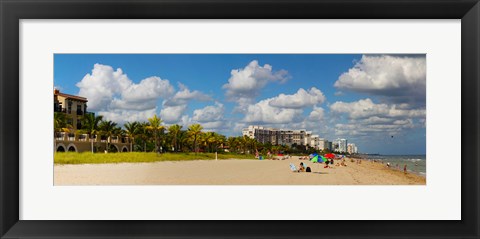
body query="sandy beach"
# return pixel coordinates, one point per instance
(231, 172)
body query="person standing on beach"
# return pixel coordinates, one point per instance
(405, 168)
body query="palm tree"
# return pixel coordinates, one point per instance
(253, 143)
(174, 131)
(132, 129)
(219, 140)
(209, 140)
(60, 124)
(108, 129)
(90, 125)
(194, 130)
(119, 133)
(182, 139)
(155, 126)
(144, 134)
(233, 144)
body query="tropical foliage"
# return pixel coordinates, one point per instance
(154, 136)
(60, 122)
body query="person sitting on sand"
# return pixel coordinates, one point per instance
(301, 168)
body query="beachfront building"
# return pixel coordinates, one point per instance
(277, 136)
(308, 139)
(340, 145)
(314, 141)
(323, 144)
(352, 149)
(319, 143)
(298, 137)
(75, 107)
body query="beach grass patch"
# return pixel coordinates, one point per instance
(138, 157)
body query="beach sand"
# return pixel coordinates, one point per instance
(231, 172)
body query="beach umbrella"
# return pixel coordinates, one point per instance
(330, 156)
(318, 159)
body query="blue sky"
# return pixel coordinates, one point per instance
(374, 101)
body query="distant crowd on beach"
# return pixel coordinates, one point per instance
(328, 164)
(342, 163)
(271, 156)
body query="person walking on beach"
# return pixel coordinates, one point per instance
(405, 169)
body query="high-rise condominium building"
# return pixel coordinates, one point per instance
(278, 136)
(340, 145)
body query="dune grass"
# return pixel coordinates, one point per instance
(138, 157)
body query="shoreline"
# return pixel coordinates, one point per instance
(399, 169)
(231, 172)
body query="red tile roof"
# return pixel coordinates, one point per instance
(71, 96)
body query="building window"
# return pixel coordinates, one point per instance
(69, 109)
(79, 110)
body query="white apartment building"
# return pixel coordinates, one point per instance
(323, 144)
(340, 145)
(352, 149)
(299, 137)
(314, 141)
(277, 136)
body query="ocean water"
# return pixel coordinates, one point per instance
(415, 163)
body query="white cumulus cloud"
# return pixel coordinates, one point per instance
(366, 108)
(368, 119)
(263, 112)
(172, 114)
(209, 113)
(399, 79)
(112, 94)
(211, 117)
(108, 89)
(300, 99)
(150, 88)
(175, 107)
(184, 95)
(317, 114)
(245, 84)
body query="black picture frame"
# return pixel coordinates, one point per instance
(12, 11)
